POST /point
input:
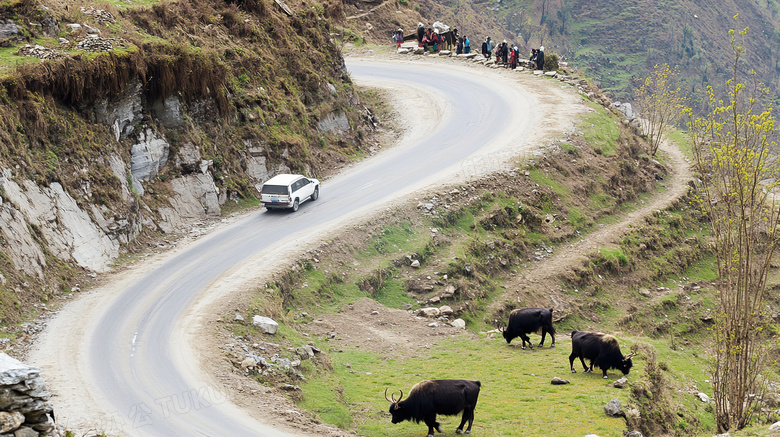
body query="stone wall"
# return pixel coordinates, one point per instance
(24, 407)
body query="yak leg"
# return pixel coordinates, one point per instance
(526, 339)
(432, 424)
(587, 370)
(571, 362)
(544, 334)
(468, 415)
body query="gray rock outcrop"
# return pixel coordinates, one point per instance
(169, 112)
(195, 197)
(8, 29)
(334, 123)
(147, 159)
(68, 231)
(121, 113)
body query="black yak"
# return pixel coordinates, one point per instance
(439, 396)
(601, 349)
(527, 320)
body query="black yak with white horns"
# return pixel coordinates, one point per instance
(439, 396)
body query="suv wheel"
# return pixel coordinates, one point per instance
(316, 194)
(295, 205)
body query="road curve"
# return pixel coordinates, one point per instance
(116, 358)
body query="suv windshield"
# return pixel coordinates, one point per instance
(274, 189)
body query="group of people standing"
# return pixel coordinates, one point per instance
(428, 38)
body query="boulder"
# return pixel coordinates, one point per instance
(775, 426)
(266, 325)
(620, 383)
(634, 434)
(703, 397)
(428, 312)
(248, 363)
(612, 408)
(458, 323)
(415, 264)
(559, 381)
(446, 310)
(305, 352)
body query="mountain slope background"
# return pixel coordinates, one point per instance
(614, 43)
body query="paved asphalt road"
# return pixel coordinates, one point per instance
(130, 348)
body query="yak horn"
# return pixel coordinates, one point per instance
(399, 399)
(628, 357)
(389, 400)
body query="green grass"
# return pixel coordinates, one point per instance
(601, 131)
(515, 386)
(682, 140)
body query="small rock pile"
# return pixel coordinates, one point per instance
(98, 44)
(40, 52)
(24, 407)
(99, 14)
(272, 362)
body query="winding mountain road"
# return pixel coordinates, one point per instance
(121, 357)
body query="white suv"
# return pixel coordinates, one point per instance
(289, 191)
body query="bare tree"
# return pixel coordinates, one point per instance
(660, 104)
(737, 175)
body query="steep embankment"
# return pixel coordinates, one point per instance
(141, 120)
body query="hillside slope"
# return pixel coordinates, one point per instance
(125, 123)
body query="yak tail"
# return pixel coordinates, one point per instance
(573, 332)
(479, 384)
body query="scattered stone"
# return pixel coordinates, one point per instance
(620, 383)
(265, 324)
(612, 408)
(703, 397)
(446, 310)
(634, 434)
(289, 387)
(415, 264)
(91, 30)
(239, 317)
(559, 381)
(433, 325)
(448, 292)
(775, 426)
(645, 292)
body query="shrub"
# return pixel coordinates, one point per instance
(550, 62)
